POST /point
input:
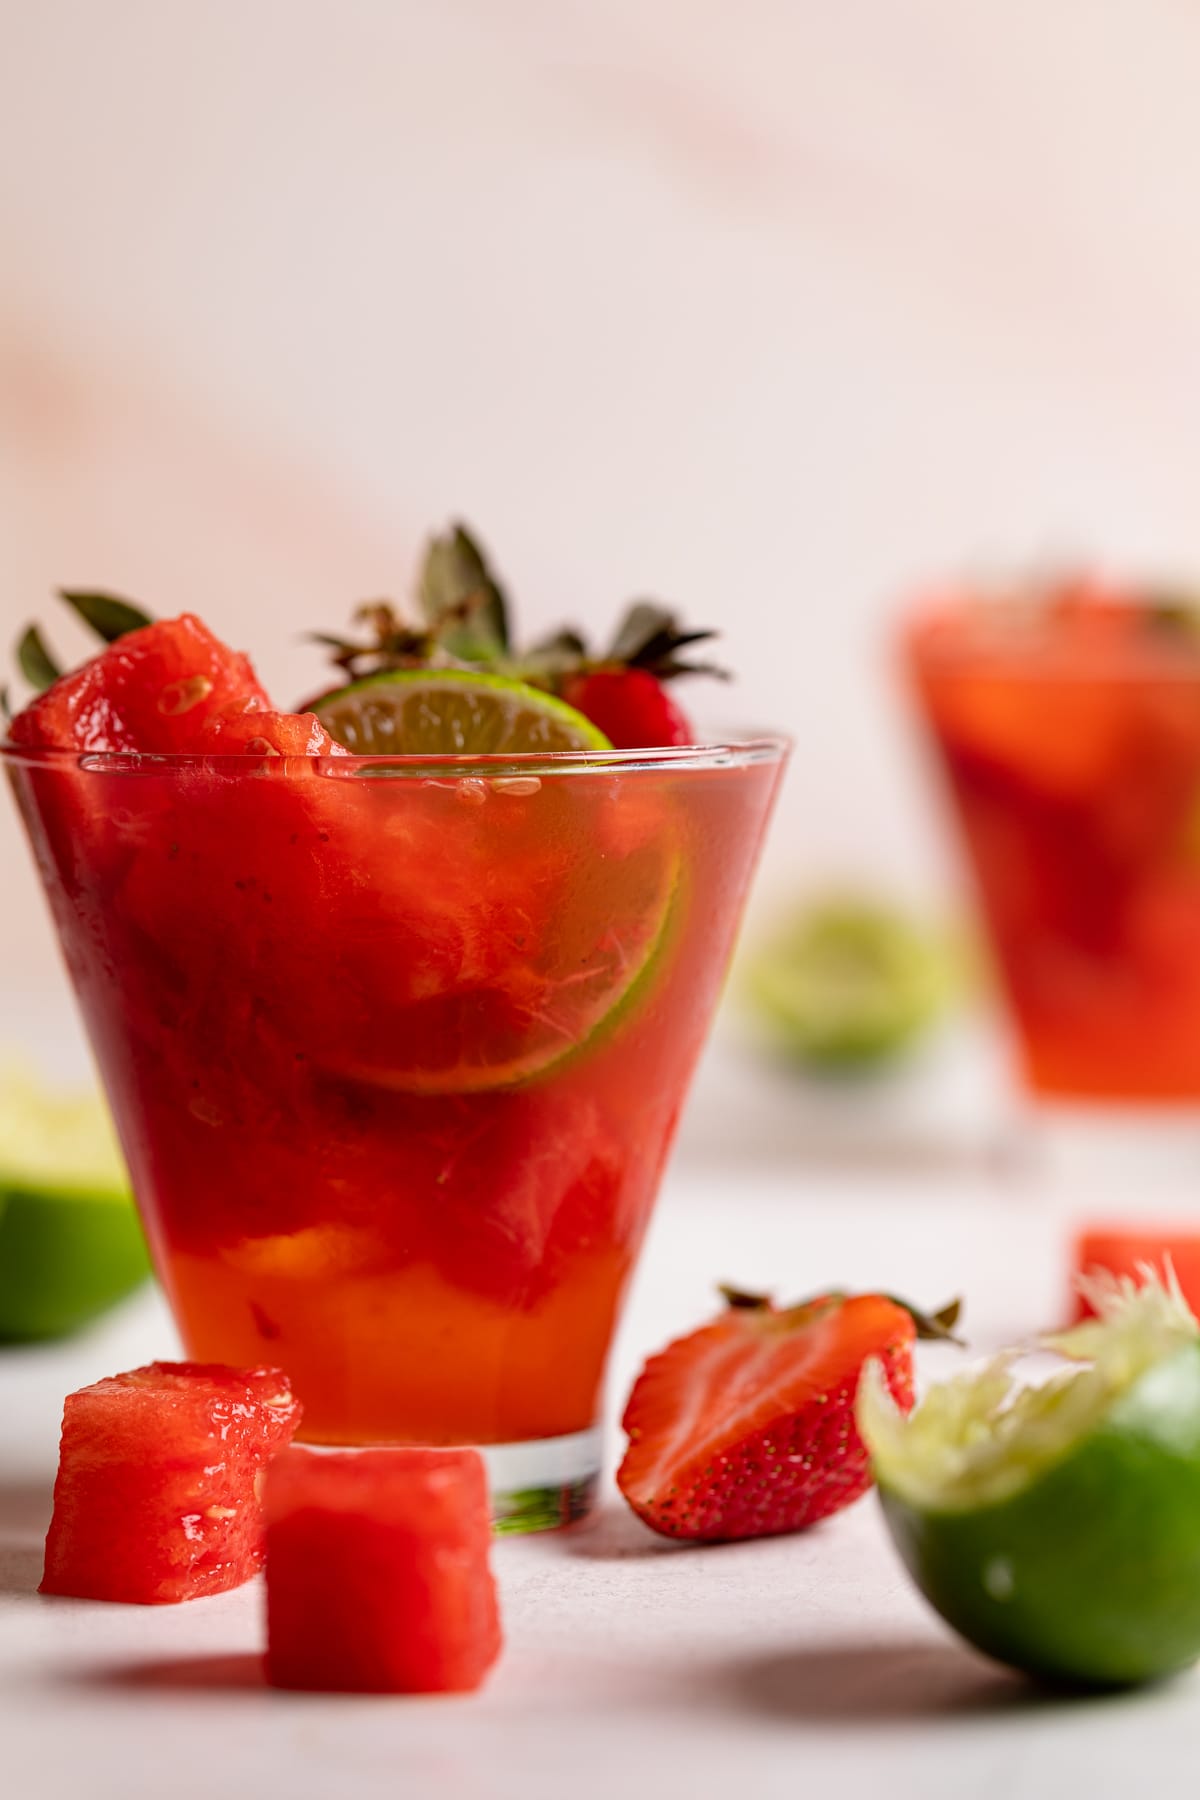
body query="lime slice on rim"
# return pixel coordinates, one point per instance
(847, 984)
(452, 712)
(1057, 1526)
(70, 1242)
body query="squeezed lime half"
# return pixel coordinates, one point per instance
(70, 1242)
(1056, 1526)
(452, 712)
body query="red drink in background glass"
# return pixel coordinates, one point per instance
(396, 1050)
(1068, 725)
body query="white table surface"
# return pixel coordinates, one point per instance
(632, 1666)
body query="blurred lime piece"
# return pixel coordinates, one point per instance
(849, 984)
(70, 1242)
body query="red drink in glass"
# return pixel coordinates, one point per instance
(1068, 726)
(396, 1050)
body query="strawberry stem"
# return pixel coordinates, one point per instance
(743, 1299)
(937, 1327)
(934, 1327)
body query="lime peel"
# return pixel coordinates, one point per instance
(981, 1437)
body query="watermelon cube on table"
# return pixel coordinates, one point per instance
(159, 1490)
(1127, 1250)
(378, 1572)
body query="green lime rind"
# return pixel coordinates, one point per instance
(1091, 1574)
(1058, 1529)
(643, 977)
(452, 712)
(66, 1257)
(847, 986)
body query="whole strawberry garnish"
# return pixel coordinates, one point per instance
(622, 690)
(746, 1428)
(631, 707)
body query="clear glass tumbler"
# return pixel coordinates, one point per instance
(1067, 724)
(396, 1048)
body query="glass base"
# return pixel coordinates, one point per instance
(544, 1483)
(534, 1486)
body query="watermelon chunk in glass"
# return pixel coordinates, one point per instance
(245, 726)
(153, 690)
(378, 1572)
(158, 1496)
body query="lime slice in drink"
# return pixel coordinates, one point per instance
(70, 1242)
(848, 984)
(452, 712)
(567, 978)
(1057, 1526)
(533, 927)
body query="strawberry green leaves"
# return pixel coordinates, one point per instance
(463, 619)
(35, 661)
(650, 637)
(461, 600)
(107, 615)
(391, 643)
(937, 1327)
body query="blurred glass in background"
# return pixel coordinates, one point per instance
(1066, 716)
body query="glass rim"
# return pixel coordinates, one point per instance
(730, 750)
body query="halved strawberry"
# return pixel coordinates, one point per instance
(745, 1428)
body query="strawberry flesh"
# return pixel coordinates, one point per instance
(630, 706)
(746, 1428)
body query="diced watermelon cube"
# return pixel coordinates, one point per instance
(158, 1496)
(152, 690)
(378, 1574)
(1128, 1250)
